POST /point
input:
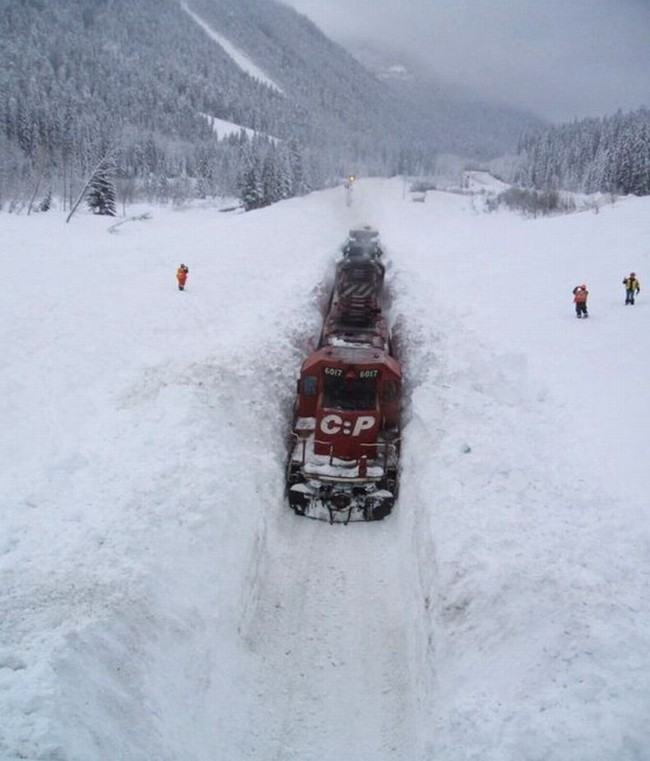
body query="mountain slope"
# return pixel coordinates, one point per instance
(80, 76)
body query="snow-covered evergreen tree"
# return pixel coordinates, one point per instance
(46, 203)
(299, 185)
(609, 155)
(101, 191)
(269, 185)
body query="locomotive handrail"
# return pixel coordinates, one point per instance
(386, 446)
(302, 439)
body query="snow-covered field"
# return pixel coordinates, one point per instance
(224, 129)
(159, 600)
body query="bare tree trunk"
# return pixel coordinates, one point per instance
(33, 196)
(65, 184)
(78, 201)
(39, 168)
(86, 186)
(139, 218)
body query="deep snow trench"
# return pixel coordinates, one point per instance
(159, 599)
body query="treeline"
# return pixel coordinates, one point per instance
(258, 170)
(610, 154)
(271, 173)
(84, 78)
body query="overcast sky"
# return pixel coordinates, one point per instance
(559, 58)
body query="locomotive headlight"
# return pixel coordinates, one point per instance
(341, 500)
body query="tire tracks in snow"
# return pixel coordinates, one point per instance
(330, 642)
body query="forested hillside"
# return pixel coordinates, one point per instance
(80, 76)
(141, 80)
(611, 154)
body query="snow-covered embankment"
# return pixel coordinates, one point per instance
(159, 599)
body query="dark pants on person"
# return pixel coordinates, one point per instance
(629, 296)
(581, 309)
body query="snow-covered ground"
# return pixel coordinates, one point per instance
(238, 56)
(224, 128)
(483, 182)
(159, 600)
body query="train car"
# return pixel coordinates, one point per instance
(344, 456)
(363, 241)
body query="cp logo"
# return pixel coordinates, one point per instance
(333, 424)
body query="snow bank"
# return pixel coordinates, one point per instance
(483, 182)
(159, 600)
(526, 454)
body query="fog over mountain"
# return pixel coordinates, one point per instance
(474, 126)
(558, 59)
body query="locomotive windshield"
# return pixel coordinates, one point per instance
(342, 393)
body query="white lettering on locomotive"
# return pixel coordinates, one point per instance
(333, 424)
(364, 423)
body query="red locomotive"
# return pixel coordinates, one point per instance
(344, 459)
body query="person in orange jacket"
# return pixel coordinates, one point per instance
(580, 294)
(181, 275)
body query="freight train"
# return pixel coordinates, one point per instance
(344, 455)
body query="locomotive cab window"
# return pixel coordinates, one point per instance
(341, 393)
(310, 385)
(390, 391)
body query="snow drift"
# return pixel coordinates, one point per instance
(159, 599)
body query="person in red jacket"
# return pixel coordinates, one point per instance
(181, 275)
(580, 294)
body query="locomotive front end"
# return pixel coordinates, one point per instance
(344, 458)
